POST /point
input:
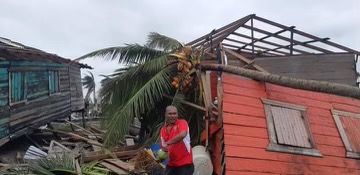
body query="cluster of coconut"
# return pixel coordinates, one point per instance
(187, 60)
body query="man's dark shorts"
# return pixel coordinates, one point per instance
(182, 170)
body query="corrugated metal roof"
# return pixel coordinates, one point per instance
(14, 51)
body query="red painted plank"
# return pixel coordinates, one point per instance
(345, 100)
(234, 140)
(324, 130)
(328, 140)
(247, 152)
(298, 100)
(243, 100)
(321, 121)
(242, 82)
(241, 164)
(327, 150)
(241, 109)
(245, 131)
(319, 112)
(346, 108)
(325, 161)
(249, 92)
(249, 173)
(244, 120)
(298, 93)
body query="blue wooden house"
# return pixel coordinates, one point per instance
(35, 87)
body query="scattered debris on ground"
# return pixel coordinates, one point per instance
(80, 151)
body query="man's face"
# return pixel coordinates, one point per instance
(171, 115)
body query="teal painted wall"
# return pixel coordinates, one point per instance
(4, 91)
(4, 87)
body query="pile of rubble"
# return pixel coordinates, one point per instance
(84, 149)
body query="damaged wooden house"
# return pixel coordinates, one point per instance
(36, 87)
(288, 102)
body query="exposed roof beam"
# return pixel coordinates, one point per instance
(287, 46)
(256, 46)
(268, 36)
(306, 35)
(226, 29)
(244, 59)
(288, 39)
(269, 42)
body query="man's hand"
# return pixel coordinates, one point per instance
(165, 149)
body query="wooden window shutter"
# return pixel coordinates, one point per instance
(351, 127)
(290, 127)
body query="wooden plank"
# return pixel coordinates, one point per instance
(235, 90)
(282, 104)
(328, 140)
(244, 59)
(270, 125)
(247, 152)
(243, 100)
(298, 100)
(113, 168)
(244, 120)
(342, 133)
(242, 110)
(121, 164)
(244, 82)
(246, 141)
(245, 131)
(254, 172)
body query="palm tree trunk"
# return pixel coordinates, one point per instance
(312, 85)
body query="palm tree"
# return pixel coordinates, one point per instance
(138, 89)
(89, 83)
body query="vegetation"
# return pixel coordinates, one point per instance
(152, 70)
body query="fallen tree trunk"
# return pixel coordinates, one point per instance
(312, 85)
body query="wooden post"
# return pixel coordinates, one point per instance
(252, 38)
(291, 42)
(83, 118)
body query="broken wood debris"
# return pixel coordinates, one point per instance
(85, 146)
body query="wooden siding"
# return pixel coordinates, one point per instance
(4, 87)
(338, 68)
(77, 99)
(39, 111)
(246, 136)
(4, 110)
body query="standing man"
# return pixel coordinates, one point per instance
(175, 139)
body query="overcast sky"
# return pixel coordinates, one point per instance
(72, 28)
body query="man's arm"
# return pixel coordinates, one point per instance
(177, 138)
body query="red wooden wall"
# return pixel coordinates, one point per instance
(246, 136)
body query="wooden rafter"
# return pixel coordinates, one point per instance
(227, 30)
(269, 42)
(289, 40)
(306, 35)
(270, 35)
(256, 46)
(244, 59)
(292, 45)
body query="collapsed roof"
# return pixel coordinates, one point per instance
(248, 35)
(14, 51)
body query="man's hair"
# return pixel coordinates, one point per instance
(170, 107)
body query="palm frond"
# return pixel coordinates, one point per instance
(165, 43)
(128, 54)
(143, 99)
(119, 87)
(89, 83)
